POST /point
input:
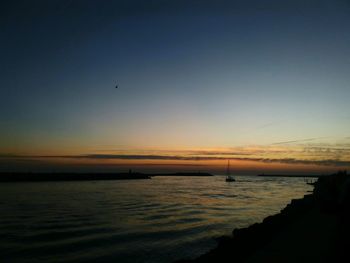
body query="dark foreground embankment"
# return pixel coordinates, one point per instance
(312, 229)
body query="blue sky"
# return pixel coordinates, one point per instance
(191, 74)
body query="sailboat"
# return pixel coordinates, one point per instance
(229, 177)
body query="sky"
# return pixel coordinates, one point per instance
(263, 83)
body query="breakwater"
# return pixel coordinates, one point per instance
(44, 177)
(47, 177)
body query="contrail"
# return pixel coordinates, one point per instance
(303, 140)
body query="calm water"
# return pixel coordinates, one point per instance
(158, 220)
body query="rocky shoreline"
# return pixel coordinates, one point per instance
(312, 229)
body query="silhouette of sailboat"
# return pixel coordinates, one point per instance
(229, 177)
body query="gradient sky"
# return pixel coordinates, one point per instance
(265, 83)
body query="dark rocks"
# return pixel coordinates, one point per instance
(331, 195)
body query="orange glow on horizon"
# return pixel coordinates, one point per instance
(244, 159)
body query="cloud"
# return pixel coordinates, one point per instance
(266, 125)
(218, 153)
(294, 141)
(94, 156)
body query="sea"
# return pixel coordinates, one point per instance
(163, 219)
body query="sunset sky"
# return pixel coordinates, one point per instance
(264, 83)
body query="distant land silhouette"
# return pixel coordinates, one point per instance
(182, 174)
(290, 175)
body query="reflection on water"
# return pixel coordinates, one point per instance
(158, 220)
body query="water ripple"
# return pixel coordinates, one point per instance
(158, 220)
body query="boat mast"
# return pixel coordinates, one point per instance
(228, 168)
